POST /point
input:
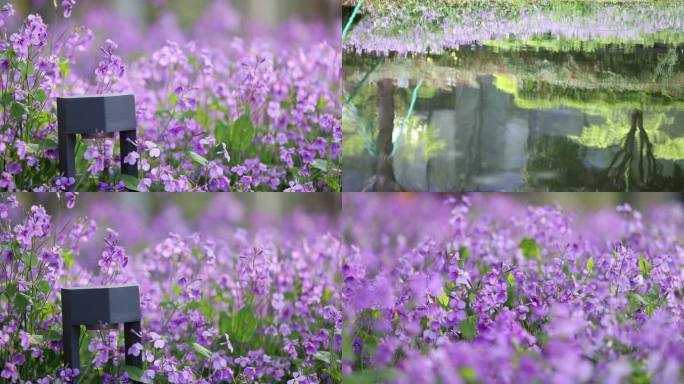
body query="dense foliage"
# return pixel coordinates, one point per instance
(496, 292)
(215, 112)
(221, 301)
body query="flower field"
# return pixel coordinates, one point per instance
(216, 111)
(487, 290)
(395, 288)
(258, 305)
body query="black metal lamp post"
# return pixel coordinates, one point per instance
(90, 115)
(95, 307)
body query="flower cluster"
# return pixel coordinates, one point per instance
(261, 305)
(32, 35)
(244, 115)
(496, 292)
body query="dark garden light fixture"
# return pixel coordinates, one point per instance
(97, 307)
(93, 115)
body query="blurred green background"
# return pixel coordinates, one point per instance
(279, 204)
(595, 200)
(193, 204)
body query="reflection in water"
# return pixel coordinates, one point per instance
(396, 27)
(625, 160)
(383, 179)
(519, 121)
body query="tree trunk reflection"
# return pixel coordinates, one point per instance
(636, 152)
(384, 179)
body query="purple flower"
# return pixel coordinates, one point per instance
(113, 259)
(10, 372)
(71, 199)
(131, 158)
(152, 148)
(32, 35)
(68, 6)
(215, 170)
(135, 349)
(111, 69)
(6, 11)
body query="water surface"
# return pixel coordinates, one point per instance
(524, 96)
(532, 119)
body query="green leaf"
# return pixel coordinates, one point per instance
(511, 292)
(566, 270)
(468, 327)
(11, 290)
(244, 325)
(590, 265)
(443, 299)
(173, 99)
(27, 69)
(321, 103)
(322, 165)
(327, 295)
(43, 287)
(35, 339)
(17, 110)
(52, 335)
(64, 68)
(206, 307)
(68, 257)
(32, 148)
(198, 159)
(222, 132)
(635, 301)
(7, 98)
(40, 95)
(468, 374)
(464, 254)
(22, 300)
(530, 249)
(645, 266)
(201, 350)
(323, 356)
(242, 133)
(42, 119)
(225, 321)
(510, 279)
(30, 259)
(131, 182)
(135, 373)
(176, 289)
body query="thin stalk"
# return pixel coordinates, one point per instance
(357, 88)
(351, 20)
